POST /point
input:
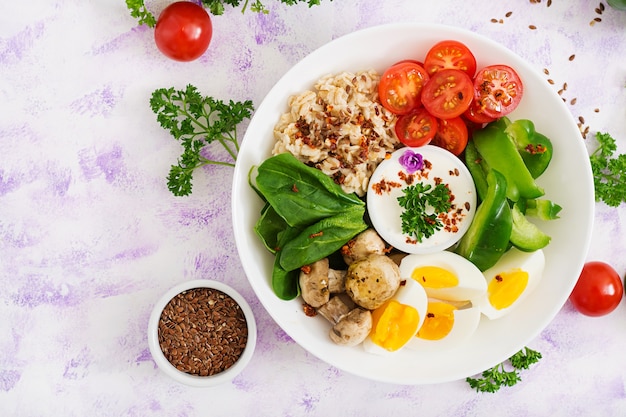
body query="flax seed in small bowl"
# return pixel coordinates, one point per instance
(202, 333)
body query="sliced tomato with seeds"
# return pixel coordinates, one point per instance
(448, 93)
(498, 90)
(417, 128)
(452, 134)
(475, 115)
(400, 87)
(450, 54)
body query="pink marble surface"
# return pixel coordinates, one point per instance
(90, 237)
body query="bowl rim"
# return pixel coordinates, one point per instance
(195, 380)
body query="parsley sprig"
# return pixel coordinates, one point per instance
(505, 375)
(216, 7)
(609, 171)
(139, 10)
(197, 121)
(422, 203)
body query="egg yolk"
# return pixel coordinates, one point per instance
(393, 325)
(438, 322)
(506, 287)
(435, 277)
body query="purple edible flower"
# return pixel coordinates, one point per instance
(411, 161)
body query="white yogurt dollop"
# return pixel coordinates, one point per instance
(428, 165)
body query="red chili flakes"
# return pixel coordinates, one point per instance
(384, 186)
(309, 311)
(407, 178)
(318, 234)
(294, 188)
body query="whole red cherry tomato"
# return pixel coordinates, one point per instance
(183, 31)
(598, 291)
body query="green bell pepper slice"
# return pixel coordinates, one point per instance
(500, 153)
(540, 208)
(535, 148)
(488, 237)
(477, 168)
(526, 236)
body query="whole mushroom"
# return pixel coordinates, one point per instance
(314, 283)
(350, 325)
(318, 281)
(352, 328)
(366, 243)
(372, 281)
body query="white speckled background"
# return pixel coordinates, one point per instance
(90, 237)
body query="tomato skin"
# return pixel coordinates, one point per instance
(450, 54)
(598, 291)
(448, 93)
(452, 135)
(417, 128)
(400, 87)
(476, 116)
(183, 31)
(498, 90)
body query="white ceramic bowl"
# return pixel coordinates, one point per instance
(195, 380)
(568, 181)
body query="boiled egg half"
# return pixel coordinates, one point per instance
(445, 275)
(447, 325)
(451, 283)
(510, 281)
(395, 323)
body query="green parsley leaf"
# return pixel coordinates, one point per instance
(197, 121)
(216, 7)
(609, 171)
(422, 204)
(524, 358)
(502, 375)
(139, 11)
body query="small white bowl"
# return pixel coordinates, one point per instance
(187, 378)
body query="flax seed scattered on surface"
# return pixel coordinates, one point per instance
(549, 3)
(532, 27)
(550, 81)
(573, 101)
(581, 119)
(598, 19)
(601, 6)
(545, 71)
(508, 14)
(571, 57)
(596, 110)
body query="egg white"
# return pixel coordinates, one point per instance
(411, 294)
(531, 262)
(466, 321)
(472, 284)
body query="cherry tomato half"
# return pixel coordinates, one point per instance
(475, 115)
(400, 87)
(448, 93)
(183, 31)
(498, 90)
(598, 291)
(452, 134)
(416, 128)
(450, 54)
